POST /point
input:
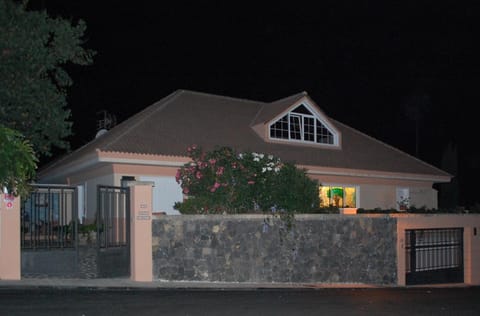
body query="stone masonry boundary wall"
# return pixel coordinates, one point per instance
(321, 248)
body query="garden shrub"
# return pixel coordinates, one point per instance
(223, 181)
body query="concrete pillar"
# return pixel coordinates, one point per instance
(10, 265)
(471, 241)
(141, 231)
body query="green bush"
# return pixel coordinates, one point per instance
(414, 210)
(324, 210)
(18, 162)
(225, 182)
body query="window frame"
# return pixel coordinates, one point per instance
(300, 118)
(342, 186)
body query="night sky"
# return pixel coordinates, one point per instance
(365, 63)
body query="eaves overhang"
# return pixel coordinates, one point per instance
(109, 157)
(374, 174)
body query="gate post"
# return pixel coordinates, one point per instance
(10, 266)
(141, 231)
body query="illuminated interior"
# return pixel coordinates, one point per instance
(338, 196)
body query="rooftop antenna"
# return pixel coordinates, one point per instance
(106, 122)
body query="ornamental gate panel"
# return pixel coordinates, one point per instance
(434, 256)
(49, 232)
(113, 231)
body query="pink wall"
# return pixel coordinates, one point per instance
(471, 249)
(141, 231)
(10, 266)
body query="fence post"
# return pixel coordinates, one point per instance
(141, 231)
(10, 265)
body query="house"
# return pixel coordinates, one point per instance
(354, 169)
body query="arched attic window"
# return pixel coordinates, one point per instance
(302, 125)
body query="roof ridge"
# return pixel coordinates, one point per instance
(142, 115)
(222, 96)
(299, 94)
(295, 96)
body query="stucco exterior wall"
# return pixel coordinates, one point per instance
(166, 190)
(9, 238)
(373, 196)
(423, 197)
(375, 191)
(91, 194)
(384, 196)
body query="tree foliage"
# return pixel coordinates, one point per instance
(223, 181)
(17, 162)
(34, 50)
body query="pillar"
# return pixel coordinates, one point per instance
(10, 264)
(141, 231)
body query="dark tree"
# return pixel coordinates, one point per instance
(34, 50)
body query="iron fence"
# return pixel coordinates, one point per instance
(49, 218)
(113, 223)
(434, 255)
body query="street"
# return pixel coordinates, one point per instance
(139, 302)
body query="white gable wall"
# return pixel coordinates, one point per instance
(89, 189)
(166, 192)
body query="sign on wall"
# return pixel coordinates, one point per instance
(8, 200)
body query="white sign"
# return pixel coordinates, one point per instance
(8, 199)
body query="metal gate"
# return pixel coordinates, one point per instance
(49, 232)
(434, 256)
(113, 231)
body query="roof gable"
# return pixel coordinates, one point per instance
(302, 122)
(169, 126)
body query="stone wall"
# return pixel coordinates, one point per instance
(248, 248)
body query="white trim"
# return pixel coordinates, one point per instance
(313, 114)
(90, 162)
(321, 118)
(162, 163)
(68, 169)
(369, 175)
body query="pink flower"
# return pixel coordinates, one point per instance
(215, 186)
(251, 182)
(185, 190)
(177, 176)
(212, 161)
(220, 171)
(198, 175)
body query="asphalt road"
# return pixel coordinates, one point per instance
(139, 302)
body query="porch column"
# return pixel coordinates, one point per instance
(10, 266)
(141, 231)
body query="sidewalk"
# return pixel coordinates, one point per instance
(125, 283)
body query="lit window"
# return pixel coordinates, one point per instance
(300, 124)
(338, 196)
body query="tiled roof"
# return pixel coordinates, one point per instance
(184, 118)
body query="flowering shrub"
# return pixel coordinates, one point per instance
(222, 181)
